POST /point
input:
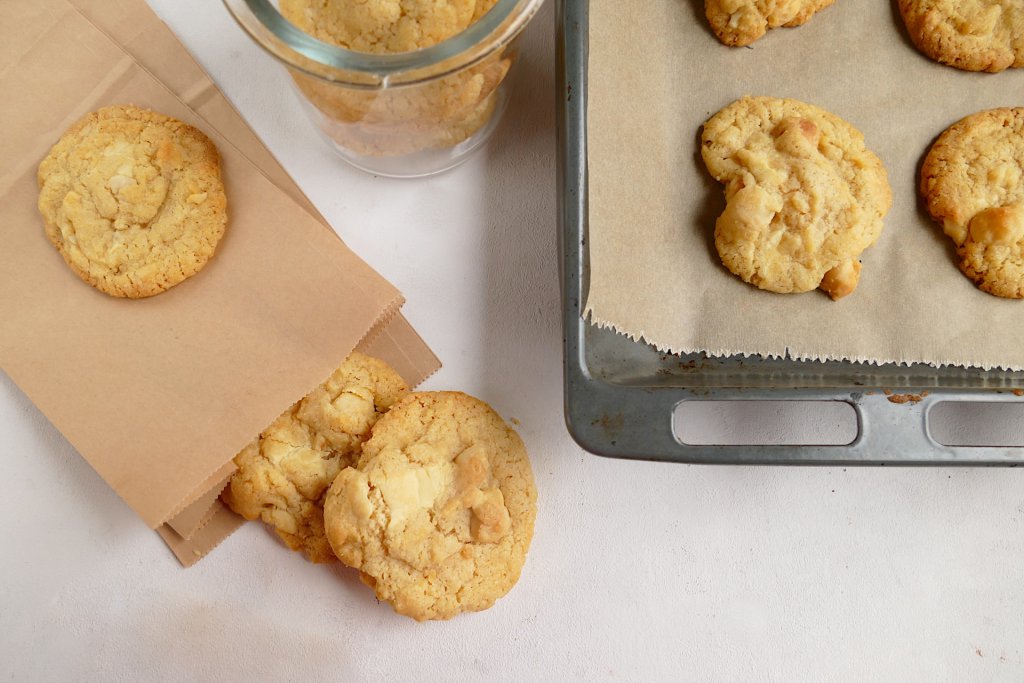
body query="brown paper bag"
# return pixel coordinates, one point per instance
(133, 25)
(158, 394)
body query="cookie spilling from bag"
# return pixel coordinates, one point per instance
(741, 22)
(133, 200)
(438, 513)
(804, 195)
(972, 181)
(429, 495)
(284, 473)
(973, 35)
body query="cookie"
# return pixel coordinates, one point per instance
(804, 195)
(434, 114)
(974, 35)
(283, 474)
(438, 513)
(972, 181)
(741, 22)
(133, 200)
(384, 26)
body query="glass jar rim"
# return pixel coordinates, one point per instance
(299, 50)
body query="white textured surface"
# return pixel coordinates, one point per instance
(637, 571)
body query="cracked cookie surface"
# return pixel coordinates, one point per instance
(974, 35)
(438, 513)
(384, 26)
(972, 181)
(741, 22)
(804, 195)
(283, 474)
(133, 200)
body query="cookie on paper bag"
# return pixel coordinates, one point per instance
(133, 200)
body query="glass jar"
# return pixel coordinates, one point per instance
(405, 114)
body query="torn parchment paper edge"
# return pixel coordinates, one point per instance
(616, 67)
(789, 353)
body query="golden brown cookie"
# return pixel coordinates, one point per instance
(438, 513)
(804, 195)
(741, 22)
(972, 181)
(435, 114)
(133, 200)
(384, 26)
(974, 35)
(283, 474)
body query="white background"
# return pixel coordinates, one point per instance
(637, 570)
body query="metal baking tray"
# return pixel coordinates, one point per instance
(621, 396)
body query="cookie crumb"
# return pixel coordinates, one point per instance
(900, 399)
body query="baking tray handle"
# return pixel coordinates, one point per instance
(892, 429)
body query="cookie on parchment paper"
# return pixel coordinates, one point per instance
(974, 35)
(438, 513)
(741, 22)
(972, 181)
(804, 195)
(283, 474)
(133, 200)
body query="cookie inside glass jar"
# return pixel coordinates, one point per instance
(437, 112)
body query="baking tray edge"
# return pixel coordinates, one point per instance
(635, 422)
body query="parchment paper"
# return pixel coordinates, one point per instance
(159, 394)
(656, 73)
